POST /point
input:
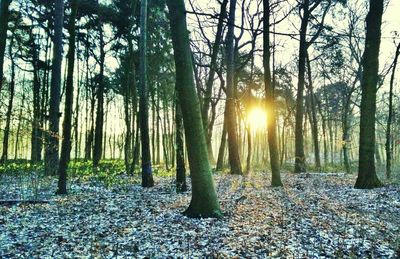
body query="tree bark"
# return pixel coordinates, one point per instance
(313, 117)
(52, 145)
(231, 122)
(69, 99)
(180, 157)
(4, 155)
(4, 13)
(98, 133)
(300, 163)
(211, 75)
(147, 172)
(389, 137)
(270, 101)
(367, 178)
(204, 202)
(221, 152)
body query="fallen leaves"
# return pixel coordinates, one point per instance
(314, 216)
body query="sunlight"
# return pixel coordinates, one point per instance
(257, 118)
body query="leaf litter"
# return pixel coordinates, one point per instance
(313, 216)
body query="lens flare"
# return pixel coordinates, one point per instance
(257, 118)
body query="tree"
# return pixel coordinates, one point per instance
(180, 157)
(367, 178)
(69, 99)
(4, 155)
(231, 122)
(52, 145)
(307, 7)
(389, 137)
(98, 133)
(4, 13)
(147, 175)
(270, 101)
(204, 202)
(211, 75)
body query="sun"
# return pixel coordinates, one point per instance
(257, 118)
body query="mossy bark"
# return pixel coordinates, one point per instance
(204, 202)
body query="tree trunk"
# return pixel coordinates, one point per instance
(147, 172)
(53, 139)
(231, 122)
(249, 149)
(4, 13)
(300, 159)
(204, 202)
(4, 155)
(389, 137)
(180, 157)
(221, 152)
(69, 99)
(270, 101)
(98, 134)
(36, 136)
(346, 135)
(211, 75)
(314, 125)
(17, 135)
(367, 178)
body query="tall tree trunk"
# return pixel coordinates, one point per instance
(52, 145)
(231, 123)
(249, 149)
(211, 75)
(389, 137)
(180, 152)
(147, 172)
(313, 111)
(270, 101)
(98, 134)
(4, 155)
(300, 159)
(69, 99)
(221, 152)
(367, 178)
(204, 202)
(4, 13)
(346, 134)
(18, 133)
(36, 136)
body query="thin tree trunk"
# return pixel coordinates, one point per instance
(4, 13)
(314, 125)
(98, 134)
(221, 152)
(270, 101)
(389, 137)
(147, 172)
(180, 157)
(232, 127)
(69, 99)
(53, 138)
(4, 155)
(211, 75)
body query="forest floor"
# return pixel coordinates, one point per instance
(314, 216)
